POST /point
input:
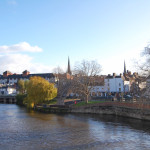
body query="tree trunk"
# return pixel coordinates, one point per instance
(87, 98)
(60, 101)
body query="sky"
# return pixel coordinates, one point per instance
(40, 35)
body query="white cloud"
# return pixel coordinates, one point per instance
(17, 63)
(21, 47)
(12, 2)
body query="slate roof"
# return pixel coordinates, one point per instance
(19, 76)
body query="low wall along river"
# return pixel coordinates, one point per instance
(133, 110)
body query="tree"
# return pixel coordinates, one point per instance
(22, 86)
(64, 87)
(39, 90)
(85, 78)
(144, 64)
(144, 67)
(64, 84)
(146, 70)
(58, 70)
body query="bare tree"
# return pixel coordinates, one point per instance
(58, 71)
(63, 84)
(85, 78)
(64, 87)
(144, 68)
(145, 64)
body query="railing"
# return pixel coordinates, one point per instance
(139, 104)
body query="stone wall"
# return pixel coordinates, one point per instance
(138, 113)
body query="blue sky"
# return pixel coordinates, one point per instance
(39, 35)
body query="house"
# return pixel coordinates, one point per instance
(116, 83)
(99, 87)
(112, 84)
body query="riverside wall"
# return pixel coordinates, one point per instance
(132, 110)
(124, 110)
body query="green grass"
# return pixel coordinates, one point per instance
(52, 102)
(90, 102)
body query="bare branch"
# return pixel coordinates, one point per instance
(85, 77)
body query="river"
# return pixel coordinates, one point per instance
(24, 130)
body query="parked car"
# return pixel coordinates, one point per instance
(137, 96)
(111, 97)
(127, 97)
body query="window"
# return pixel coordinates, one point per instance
(108, 84)
(119, 84)
(93, 94)
(119, 89)
(99, 93)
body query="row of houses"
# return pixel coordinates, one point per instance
(9, 81)
(9, 78)
(123, 83)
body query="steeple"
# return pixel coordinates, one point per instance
(125, 71)
(69, 70)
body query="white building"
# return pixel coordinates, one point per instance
(112, 84)
(98, 91)
(116, 83)
(7, 91)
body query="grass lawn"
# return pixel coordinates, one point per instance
(90, 102)
(52, 102)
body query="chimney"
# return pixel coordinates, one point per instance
(129, 72)
(114, 74)
(6, 73)
(25, 73)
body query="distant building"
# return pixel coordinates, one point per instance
(7, 90)
(111, 84)
(10, 79)
(99, 86)
(123, 83)
(116, 83)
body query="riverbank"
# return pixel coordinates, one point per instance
(132, 110)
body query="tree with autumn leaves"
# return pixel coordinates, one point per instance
(38, 90)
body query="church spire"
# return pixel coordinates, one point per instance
(69, 70)
(125, 71)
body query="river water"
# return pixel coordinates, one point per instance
(23, 130)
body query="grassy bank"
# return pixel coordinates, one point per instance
(85, 104)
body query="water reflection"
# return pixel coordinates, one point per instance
(24, 130)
